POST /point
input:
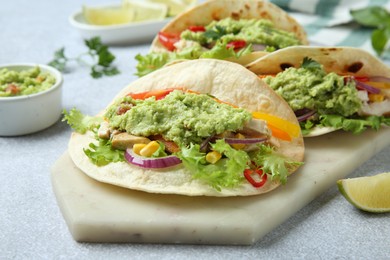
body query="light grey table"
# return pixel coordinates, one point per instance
(31, 225)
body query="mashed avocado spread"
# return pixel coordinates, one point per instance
(217, 41)
(250, 30)
(310, 87)
(25, 82)
(180, 117)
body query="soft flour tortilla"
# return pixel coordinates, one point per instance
(341, 60)
(205, 13)
(227, 81)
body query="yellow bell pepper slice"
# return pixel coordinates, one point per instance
(279, 125)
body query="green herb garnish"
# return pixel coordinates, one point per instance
(98, 53)
(378, 18)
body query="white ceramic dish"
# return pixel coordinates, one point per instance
(27, 114)
(118, 34)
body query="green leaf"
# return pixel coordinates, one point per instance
(273, 163)
(103, 154)
(373, 16)
(355, 125)
(309, 63)
(79, 122)
(379, 39)
(151, 62)
(215, 33)
(226, 173)
(99, 53)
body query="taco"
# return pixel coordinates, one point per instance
(222, 132)
(329, 88)
(239, 31)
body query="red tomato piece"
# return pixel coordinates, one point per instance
(236, 45)
(168, 40)
(197, 28)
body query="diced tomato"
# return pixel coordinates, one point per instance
(168, 40)
(197, 28)
(13, 89)
(236, 45)
(262, 177)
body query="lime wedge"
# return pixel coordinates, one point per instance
(108, 16)
(174, 6)
(370, 194)
(145, 11)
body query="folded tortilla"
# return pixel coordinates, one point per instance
(214, 10)
(227, 81)
(340, 60)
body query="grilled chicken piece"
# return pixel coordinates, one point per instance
(104, 130)
(122, 141)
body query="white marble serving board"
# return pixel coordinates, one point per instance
(98, 212)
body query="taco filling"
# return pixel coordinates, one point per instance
(322, 99)
(223, 39)
(220, 144)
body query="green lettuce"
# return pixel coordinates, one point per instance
(355, 125)
(273, 163)
(79, 122)
(153, 61)
(226, 173)
(103, 154)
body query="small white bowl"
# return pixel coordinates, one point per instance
(27, 114)
(132, 33)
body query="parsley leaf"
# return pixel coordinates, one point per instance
(215, 33)
(102, 59)
(309, 63)
(378, 18)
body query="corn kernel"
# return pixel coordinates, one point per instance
(150, 149)
(239, 146)
(376, 97)
(213, 157)
(137, 148)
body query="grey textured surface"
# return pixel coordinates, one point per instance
(31, 224)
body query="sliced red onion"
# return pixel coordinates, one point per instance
(304, 115)
(151, 163)
(370, 89)
(245, 140)
(379, 79)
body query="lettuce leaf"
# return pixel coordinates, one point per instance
(153, 61)
(226, 173)
(273, 163)
(355, 125)
(79, 122)
(103, 154)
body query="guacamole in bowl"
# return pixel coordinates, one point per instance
(30, 98)
(24, 82)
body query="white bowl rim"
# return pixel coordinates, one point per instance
(86, 26)
(53, 71)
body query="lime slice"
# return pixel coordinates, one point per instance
(370, 194)
(174, 6)
(108, 16)
(145, 11)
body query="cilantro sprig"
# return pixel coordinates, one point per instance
(378, 18)
(100, 59)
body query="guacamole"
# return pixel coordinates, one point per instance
(312, 88)
(180, 117)
(252, 31)
(227, 38)
(25, 82)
